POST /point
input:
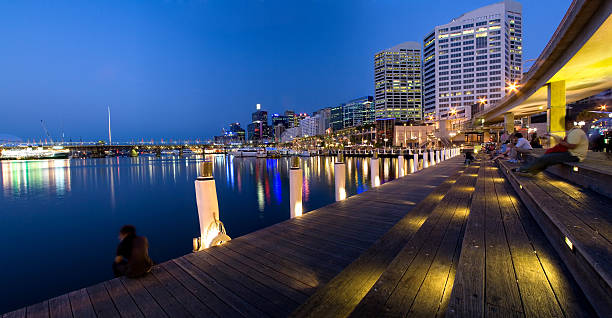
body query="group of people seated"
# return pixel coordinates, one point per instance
(572, 148)
(514, 147)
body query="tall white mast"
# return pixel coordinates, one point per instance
(110, 140)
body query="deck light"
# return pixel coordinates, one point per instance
(569, 244)
(575, 169)
(521, 186)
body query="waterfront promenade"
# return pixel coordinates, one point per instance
(450, 240)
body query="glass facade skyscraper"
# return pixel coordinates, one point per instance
(397, 82)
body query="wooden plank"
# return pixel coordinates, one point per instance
(203, 290)
(81, 304)
(101, 301)
(251, 291)
(500, 280)
(397, 287)
(59, 307)
(536, 293)
(308, 257)
(567, 291)
(40, 310)
(124, 303)
(275, 290)
(330, 260)
(19, 313)
(345, 291)
(252, 267)
(186, 298)
(219, 288)
(145, 302)
(288, 267)
(467, 299)
(421, 290)
(595, 216)
(171, 306)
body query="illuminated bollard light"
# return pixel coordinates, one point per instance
(415, 163)
(432, 157)
(425, 160)
(295, 187)
(375, 178)
(212, 231)
(438, 159)
(400, 165)
(340, 176)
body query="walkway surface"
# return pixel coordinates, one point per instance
(270, 272)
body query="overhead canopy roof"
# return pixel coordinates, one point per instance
(579, 52)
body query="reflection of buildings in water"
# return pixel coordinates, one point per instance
(24, 176)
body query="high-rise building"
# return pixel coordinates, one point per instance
(397, 82)
(359, 111)
(336, 120)
(258, 129)
(291, 118)
(309, 126)
(323, 115)
(472, 60)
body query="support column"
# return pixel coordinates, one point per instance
(509, 122)
(438, 159)
(555, 114)
(295, 187)
(400, 165)
(208, 206)
(374, 173)
(415, 163)
(340, 178)
(425, 160)
(432, 157)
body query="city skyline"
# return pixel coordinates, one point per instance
(85, 71)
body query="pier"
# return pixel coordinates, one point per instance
(450, 240)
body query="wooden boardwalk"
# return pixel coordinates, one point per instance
(478, 253)
(268, 273)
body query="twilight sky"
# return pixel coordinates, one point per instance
(185, 69)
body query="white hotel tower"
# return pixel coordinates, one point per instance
(472, 60)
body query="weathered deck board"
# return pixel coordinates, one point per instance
(266, 273)
(80, 303)
(397, 288)
(531, 283)
(346, 289)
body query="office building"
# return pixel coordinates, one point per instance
(258, 129)
(472, 61)
(309, 126)
(336, 120)
(358, 112)
(397, 82)
(323, 115)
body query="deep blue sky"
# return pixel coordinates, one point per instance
(184, 69)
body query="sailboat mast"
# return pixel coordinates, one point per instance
(110, 140)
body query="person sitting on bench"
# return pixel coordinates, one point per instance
(572, 148)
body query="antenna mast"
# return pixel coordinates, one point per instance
(110, 140)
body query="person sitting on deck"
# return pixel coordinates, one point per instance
(469, 157)
(572, 148)
(522, 148)
(132, 258)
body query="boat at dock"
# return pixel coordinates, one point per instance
(28, 153)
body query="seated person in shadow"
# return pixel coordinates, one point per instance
(132, 258)
(572, 148)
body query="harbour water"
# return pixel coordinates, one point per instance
(59, 218)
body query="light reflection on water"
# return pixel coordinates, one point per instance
(59, 218)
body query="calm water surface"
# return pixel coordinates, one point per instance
(59, 218)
